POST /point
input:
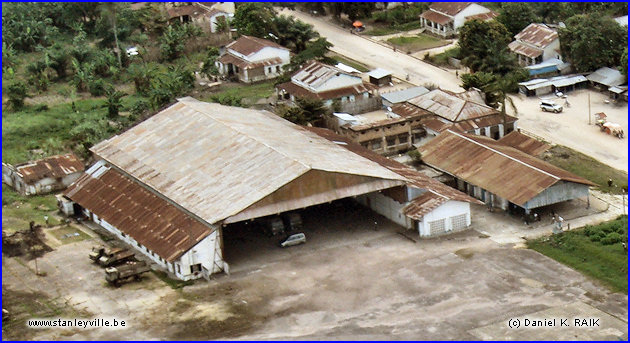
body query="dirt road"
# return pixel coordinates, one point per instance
(571, 127)
(376, 55)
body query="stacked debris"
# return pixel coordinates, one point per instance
(28, 243)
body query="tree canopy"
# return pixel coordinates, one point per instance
(483, 47)
(591, 41)
(515, 16)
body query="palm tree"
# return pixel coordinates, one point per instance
(500, 90)
(109, 10)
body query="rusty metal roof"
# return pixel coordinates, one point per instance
(483, 16)
(137, 212)
(243, 64)
(524, 143)
(451, 107)
(248, 45)
(539, 35)
(215, 160)
(298, 91)
(524, 49)
(423, 204)
(189, 10)
(449, 8)
(436, 17)
(53, 167)
(412, 176)
(502, 170)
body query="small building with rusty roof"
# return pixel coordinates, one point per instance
(445, 18)
(332, 85)
(175, 184)
(463, 112)
(536, 43)
(500, 175)
(252, 59)
(43, 176)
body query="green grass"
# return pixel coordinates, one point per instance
(416, 43)
(587, 251)
(241, 94)
(18, 211)
(174, 284)
(588, 168)
(61, 232)
(442, 58)
(354, 64)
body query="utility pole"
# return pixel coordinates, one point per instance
(589, 108)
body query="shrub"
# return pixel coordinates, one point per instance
(97, 87)
(139, 108)
(17, 92)
(611, 238)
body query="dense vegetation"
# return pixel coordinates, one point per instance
(596, 251)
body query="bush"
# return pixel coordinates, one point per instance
(17, 92)
(139, 108)
(228, 99)
(97, 87)
(611, 238)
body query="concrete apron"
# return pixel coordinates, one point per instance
(505, 229)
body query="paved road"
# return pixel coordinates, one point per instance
(376, 55)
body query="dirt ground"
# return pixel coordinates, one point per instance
(568, 128)
(571, 128)
(349, 281)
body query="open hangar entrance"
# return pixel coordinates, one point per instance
(247, 244)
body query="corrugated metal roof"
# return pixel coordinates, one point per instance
(483, 16)
(412, 176)
(539, 35)
(243, 64)
(216, 160)
(137, 212)
(379, 73)
(436, 17)
(524, 49)
(298, 91)
(623, 20)
(248, 45)
(607, 76)
(404, 95)
(451, 107)
(423, 204)
(524, 143)
(315, 74)
(449, 8)
(53, 167)
(502, 170)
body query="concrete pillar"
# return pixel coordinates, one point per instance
(487, 134)
(477, 131)
(501, 130)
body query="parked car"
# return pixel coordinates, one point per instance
(295, 239)
(550, 106)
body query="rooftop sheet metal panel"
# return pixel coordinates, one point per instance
(412, 176)
(216, 160)
(135, 211)
(524, 143)
(525, 50)
(379, 73)
(539, 35)
(450, 8)
(483, 16)
(404, 95)
(451, 107)
(299, 91)
(423, 204)
(436, 17)
(502, 170)
(52, 167)
(248, 45)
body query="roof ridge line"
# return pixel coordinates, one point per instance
(504, 154)
(243, 133)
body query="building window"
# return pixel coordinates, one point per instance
(403, 138)
(139, 245)
(376, 144)
(195, 268)
(179, 270)
(277, 69)
(391, 141)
